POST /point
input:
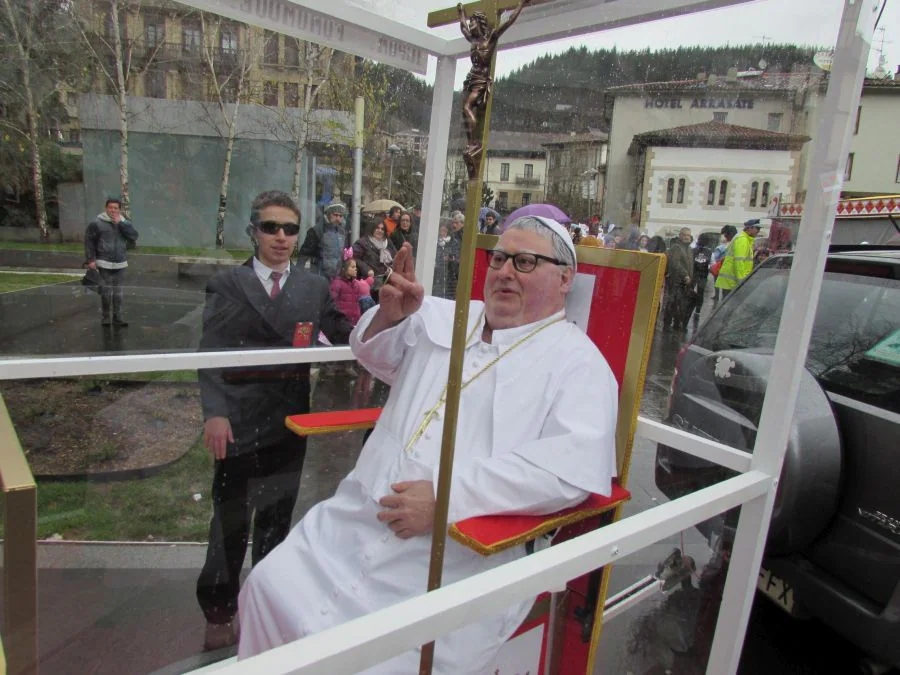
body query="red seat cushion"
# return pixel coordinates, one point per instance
(491, 534)
(310, 424)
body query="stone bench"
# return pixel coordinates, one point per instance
(187, 264)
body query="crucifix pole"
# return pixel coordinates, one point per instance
(482, 29)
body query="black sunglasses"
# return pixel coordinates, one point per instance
(271, 227)
(523, 262)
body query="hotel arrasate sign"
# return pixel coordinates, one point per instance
(286, 17)
(714, 103)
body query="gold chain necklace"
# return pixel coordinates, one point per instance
(432, 412)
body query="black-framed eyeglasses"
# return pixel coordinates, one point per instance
(522, 262)
(272, 227)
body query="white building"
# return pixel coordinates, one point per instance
(873, 165)
(707, 175)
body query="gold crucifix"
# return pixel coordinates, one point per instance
(482, 29)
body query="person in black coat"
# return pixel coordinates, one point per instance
(264, 303)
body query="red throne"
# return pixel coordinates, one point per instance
(622, 291)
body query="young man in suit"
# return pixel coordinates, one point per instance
(264, 303)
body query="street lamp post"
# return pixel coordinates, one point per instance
(590, 182)
(392, 149)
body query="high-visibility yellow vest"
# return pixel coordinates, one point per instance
(738, 262)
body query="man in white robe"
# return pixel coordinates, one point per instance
(535, 435)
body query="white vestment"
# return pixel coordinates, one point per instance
(536, 433)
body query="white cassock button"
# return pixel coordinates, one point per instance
(323, 611)
(484, 347)
(384, 539)
(334, 594)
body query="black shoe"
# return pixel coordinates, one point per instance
(106, 322)
(121, 323)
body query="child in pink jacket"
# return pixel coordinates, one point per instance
(347, 291)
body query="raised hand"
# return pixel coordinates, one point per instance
(400, 296)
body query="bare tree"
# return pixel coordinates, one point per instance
(33, 35)
(317, 62)
(228, 69)
(119, 61)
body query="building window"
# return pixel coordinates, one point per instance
(154, 30)
(270, 50)
(191, 37)
(681, 185)
(73, 136)
(502, 199)
(723, 192)
(291, 51)
(670, 190)
(858, 115)
(775, 121)
(504, 171)
(754, 193)
(764, 198)
(897, 177)
(848, 170)
(228, 40)
(529, 171)
(720, 116)
(155, 84)
(71, 99)
(526, 198)
(711, 193)
(270, 94)
(291, 95)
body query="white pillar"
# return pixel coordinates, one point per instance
(831, 144)
(357, 169)
(435, 169)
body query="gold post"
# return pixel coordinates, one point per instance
(457, 350)
(19, 620)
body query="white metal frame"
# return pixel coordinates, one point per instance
(379, 636)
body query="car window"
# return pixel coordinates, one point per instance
(852, 349)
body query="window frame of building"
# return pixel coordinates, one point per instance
(754, 194)
(774, 121)
(764, 194)
(711, 192)
(191, 36)
(848, 167)
(897, 177)
(720, 116)
(291, 95)
(502, 200)
(682, 186)
(856, 125)
(723, 193)
(670, 190)
(526, 198)
(154, 30)
(504, 171)
(270, 93)
(228, 39)
(271, 50)
(155, 85)
(123, 25)
(291, 52)
(72, 99)
(529, 171)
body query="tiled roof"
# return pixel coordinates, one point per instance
(764, 82)
(564, 139)
(718, 135)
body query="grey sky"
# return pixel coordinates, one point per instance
(788, 21)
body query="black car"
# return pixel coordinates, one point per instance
(833, 550)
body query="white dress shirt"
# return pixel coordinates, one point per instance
(265, 275)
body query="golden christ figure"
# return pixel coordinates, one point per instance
(477, 87)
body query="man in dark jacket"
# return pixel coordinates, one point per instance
(702, 261)
(325, 243)
(679, 281)
(265, 303)
(105, 250)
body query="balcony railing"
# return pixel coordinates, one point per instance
(522, 179)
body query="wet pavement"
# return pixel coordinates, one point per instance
(134, 614)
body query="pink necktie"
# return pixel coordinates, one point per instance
(276, 286)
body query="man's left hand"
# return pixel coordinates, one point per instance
(411, 510)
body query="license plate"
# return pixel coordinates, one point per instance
(776, 589)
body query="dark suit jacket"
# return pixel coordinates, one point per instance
(239, 314)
